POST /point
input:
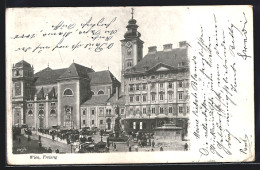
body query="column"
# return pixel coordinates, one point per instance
(59, 106)
(47, 112)
(35, 112)
(22, 121)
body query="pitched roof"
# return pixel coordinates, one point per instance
(171, 58)
(76, 70)
(97, 100)
(22, 64)
(48, 76)
(101, 77)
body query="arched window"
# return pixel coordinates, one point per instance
(53, 112)
(41, 113)
(30, 113)
(129, 64)
(68, 92)
(100, 92)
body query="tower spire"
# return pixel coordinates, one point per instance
(132, 13)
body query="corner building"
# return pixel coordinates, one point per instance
(156, 85)
(58, 97)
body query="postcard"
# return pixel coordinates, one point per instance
(113, 85)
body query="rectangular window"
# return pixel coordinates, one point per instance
(141, 125)
(122, 111)
(52, 104)
(131, 99)
(137, 98)
(144, 110)
(170, 109)
(144, 77)
(170, 96)
(137, 78)
(93, 112)
(161, 109)
(101, 112)
(131, 79)
(137, 87)
(180, 96)
(84, 122)
(144, 86)
(180, 109)
(161, 85)
(153, 97)
(153, 110)
(161, 96)
(92, 122)
(187, 109)
(170, 85)
(84, 112)
(108, 111)
(180, 84)
(134, 125)
(161, 75)
(144, 98)
(101, 122)
(131, 87)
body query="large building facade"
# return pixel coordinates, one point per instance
(156, 85)
(61, 97)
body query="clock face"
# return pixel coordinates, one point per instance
(128, 44)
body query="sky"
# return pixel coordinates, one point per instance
(157, 25)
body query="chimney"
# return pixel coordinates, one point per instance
(183, 44)
(117, 94)
(152, 49)
(167, 47)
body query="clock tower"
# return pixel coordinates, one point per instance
(131, 47)
(22, 86)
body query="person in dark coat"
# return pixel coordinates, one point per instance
(153, 143)
(57, 151)
(185, 147)
(40, 137)
(49, 150)
(130, 149)
(161, 148)
(53, 137)
(28, 139)
(114, 146)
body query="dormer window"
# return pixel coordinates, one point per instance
(68, 92)
(100, 92)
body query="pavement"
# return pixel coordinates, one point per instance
(46, 142)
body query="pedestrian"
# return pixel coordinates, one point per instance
(130, 148)
(53, 137)
(28, 139)
(40, 144)
(49, 150)
(39, 137)
(114, 146)
(57, 151)
(185, 147)
(153, 143)
(161, 148)
(152, 149)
